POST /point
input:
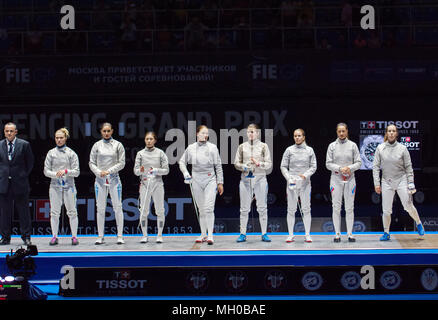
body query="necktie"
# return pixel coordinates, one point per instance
(10, 150)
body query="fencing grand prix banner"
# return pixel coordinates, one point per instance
(209, 73)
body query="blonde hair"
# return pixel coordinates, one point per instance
(302, 132)
(105, 125)
(385, 138)
(64, 131)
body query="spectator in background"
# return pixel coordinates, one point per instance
(241, 33)
(360, 41)
(34, 39)
(194, 34)
(289, 11)
(224, 41)
(164, 38)
(305, 17)
(324, 44)
(180, 15)
(210, 11)
(390, 39)
(145, 17)
(374, 40)
(347, 14)
(129, 34)
(341, 42)
(131, 10)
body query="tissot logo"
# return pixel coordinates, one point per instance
(42, 210)
(409, 143)
(383, 124)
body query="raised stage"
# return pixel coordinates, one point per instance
(281, 267)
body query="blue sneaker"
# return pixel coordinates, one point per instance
(265, 238)
(242, 238)
(420, 229)
(385, 237)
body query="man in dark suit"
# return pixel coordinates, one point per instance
(16, 163)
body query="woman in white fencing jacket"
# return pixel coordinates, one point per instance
(62, 166)
(107, 158)
(297, 166)
(151, 164)
(397, 176)
(343, 159)
(206, 180)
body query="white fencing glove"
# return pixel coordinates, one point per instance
(411, 188)
(248, 167)
(187, 178)
(292, 184)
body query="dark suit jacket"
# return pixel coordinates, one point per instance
(15, 173)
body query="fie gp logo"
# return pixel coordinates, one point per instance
(351, 280)
(312, 281)
(390, 280)
(429, 279)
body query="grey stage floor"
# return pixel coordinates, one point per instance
(228, 243)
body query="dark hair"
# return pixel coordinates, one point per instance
(199, 128)
(152, 133)
(342, 124)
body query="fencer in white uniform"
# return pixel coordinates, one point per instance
(62, 166)
(397, 176)
(253, 159)
(151, 164)
(107, 158)
(297, 166)
(206, 180)
(343, 159)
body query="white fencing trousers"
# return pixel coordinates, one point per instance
(204, 191)
(58, 196)
(259, 186)
(388, 190)
(340, 190)
(115, 191)
(155, 192)
(292, 201)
